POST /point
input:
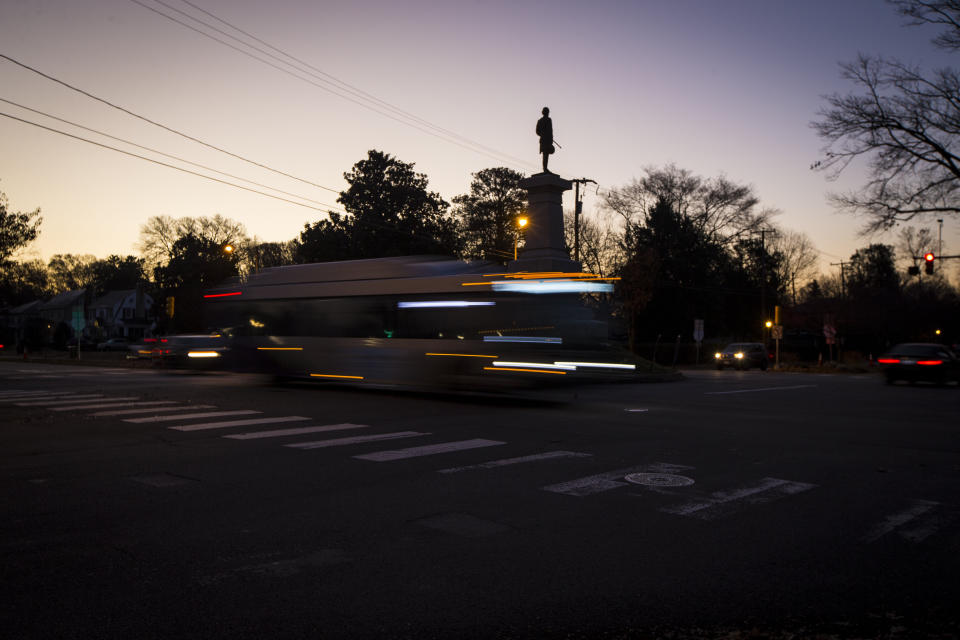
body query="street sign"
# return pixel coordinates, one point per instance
(78, 321)
(698, 330)
(777, 332)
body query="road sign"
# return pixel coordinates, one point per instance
(777, 332)
(78, 321)
(698, 330)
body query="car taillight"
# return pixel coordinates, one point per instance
(888, 360)
(930, 362)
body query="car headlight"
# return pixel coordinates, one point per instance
(718, 355)
(738, 355)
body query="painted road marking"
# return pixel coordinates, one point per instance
(190, 416)
(611, 479)
(636, 410)
(49, 396)
(796, 386)
(429, 450)
(722, 503)
(19, 392)
(74, 400)
(132, 412)
(920, 511)
(338, 442)
(550, 455)
(238, 423)
(111, 405)
(276, 433)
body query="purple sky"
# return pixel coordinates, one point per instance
(717, 87)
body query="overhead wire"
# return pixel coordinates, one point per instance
(345, 85)
(359, 97)
(162, 126)
(167, 155)
(163, 164)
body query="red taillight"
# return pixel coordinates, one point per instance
(930, 362)
(223, 295)
(888, 360)
(149, 339)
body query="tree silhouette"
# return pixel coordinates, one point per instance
(488, 214)
(16, 229)
(389, 213)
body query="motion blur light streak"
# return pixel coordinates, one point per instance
(599, 365)
(223, 295)
(203, 354)
(279, 348)
(566, 286)
(562, 373)
(463, 355)
(538, 365)
(531, 339)
(428, 304)
(331, 375)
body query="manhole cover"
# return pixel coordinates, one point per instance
(659, 480)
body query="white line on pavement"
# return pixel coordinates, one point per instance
(111, 405)
(276, 433)
(65, 401)
(190, 416)
(237, 423)
(339, 442)
(720, 503)
(131, 412)
(796, 386)
(429, 450)
(549, 455)
(897, 520)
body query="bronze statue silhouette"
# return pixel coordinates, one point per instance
(545, 131)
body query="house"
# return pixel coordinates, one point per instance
(63, 314)
(126, 313)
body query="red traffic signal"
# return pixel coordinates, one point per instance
(928, 259)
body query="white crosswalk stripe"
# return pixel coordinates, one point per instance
(339, 442)
(133, 412)
(65, 401)
(549, 455)
(190, 416)
(276, 433)
(47, 396)
(238, 423)
(721, 503)
(428, 450)
(112, 405)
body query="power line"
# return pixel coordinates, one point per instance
(167, 155)
(446, 136)
(162, 126)
(345, 85)
(163, 164)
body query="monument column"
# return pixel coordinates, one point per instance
(545, 248)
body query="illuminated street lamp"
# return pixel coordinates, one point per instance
(521, 223)
(228, 248)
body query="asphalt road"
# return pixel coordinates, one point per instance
(796, 504)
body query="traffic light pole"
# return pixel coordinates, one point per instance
(577, 210)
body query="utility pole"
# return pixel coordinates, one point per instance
(763, 273)
(577, 210)
(841, 264)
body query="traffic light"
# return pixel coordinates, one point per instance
(928, 259)
(170, 307)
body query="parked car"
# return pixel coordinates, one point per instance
(919, 361)
(114, 344)
(743, 355)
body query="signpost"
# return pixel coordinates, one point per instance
(79, 323)
(698, 335)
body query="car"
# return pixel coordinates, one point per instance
(196, 350)
(920, 362)
(114, 344)
(743, 355)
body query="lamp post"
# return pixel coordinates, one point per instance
(521, 223)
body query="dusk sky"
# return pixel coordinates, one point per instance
(716, 87)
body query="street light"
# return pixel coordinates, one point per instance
(522, 222)
(228, 248)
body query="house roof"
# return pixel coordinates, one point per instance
(111, 298)
(26, 308)
(65, 299)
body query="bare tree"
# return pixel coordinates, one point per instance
(68, 271)
(719, 209)
(159, 233)
(904, 123)
(912, 243)
(601, 236)
(799, 259)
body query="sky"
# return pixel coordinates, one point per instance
(718, 87)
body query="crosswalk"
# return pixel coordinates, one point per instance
(676, 489)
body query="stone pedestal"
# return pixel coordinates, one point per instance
(545, 248)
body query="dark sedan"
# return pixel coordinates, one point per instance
(916, 362)
(743, 355)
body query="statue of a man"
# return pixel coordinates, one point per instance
(545, 131)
